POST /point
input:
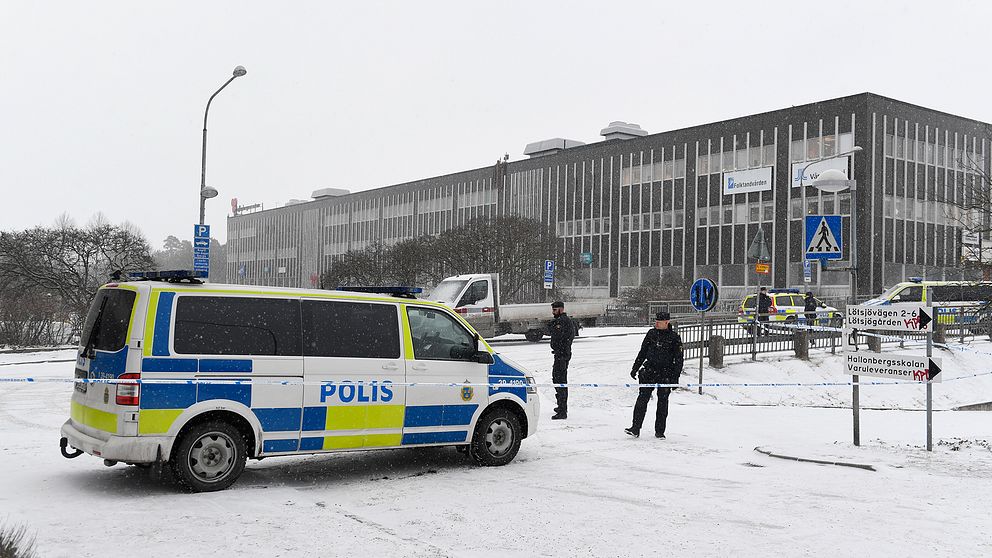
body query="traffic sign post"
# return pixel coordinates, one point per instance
(549, 274)
(899, 367)
(201, 248)
(823, 237)
(807, 271)
(906, 317)
(703, 295)
(759, 251)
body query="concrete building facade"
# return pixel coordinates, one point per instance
(685, 203)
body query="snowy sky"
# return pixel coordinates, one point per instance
(101, 103)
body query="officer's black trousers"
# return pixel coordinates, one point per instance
(641, 407)
(559, 375)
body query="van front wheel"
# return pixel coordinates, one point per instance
(209, 457)
(496, 439)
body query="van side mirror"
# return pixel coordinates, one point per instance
(482, 355)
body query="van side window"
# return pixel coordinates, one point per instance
(350, 329)
(438, 336)
(217, 325)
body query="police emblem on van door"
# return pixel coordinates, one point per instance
(467, 393)
(106, 395)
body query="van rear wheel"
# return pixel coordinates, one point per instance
(496, 439)
(533, 335)
(209, 457)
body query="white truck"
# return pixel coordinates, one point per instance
(476, 297)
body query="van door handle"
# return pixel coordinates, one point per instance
(389, 366)
(418, 366)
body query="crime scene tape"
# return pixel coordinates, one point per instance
(502, 384)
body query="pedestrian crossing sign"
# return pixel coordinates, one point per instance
(823, 237)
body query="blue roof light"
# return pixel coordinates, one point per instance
(794, 291)
(916, 279)
(395, 290)
(172, 275)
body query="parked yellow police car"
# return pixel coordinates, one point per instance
(787, 306)
(204, 376)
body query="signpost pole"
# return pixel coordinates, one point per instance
(856, 406)
(702, 332)
(929, 393)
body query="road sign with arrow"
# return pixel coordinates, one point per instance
(899, 367)
(894, 317)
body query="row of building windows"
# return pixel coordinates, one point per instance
(745, 158)
(653, 221)
(652, 172)
(817, 147)
(941, 155)
(737, 214)
(827, 204)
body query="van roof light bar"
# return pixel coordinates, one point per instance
(397, 291)
(171, 276)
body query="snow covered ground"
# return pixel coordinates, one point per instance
(578, 487)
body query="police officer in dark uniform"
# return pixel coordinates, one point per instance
(661, 355)
(764, 307)
(810, 304)
(562, 334)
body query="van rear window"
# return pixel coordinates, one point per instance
(216, 325)
(106, 323)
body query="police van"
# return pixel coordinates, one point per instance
(955, 301)
(200, 377)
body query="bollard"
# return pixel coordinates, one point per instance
(800, 344)
(717, 344)
(875, 343)
(939, 334)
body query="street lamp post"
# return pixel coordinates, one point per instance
(205, 191)
(834, 181)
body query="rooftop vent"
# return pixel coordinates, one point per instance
(323, 193)
(549, 147)
(622, 131)
(294, 202)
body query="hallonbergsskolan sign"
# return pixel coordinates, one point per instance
(744, 181)
(898, 367)
(894, 317)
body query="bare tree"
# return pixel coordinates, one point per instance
(70, 263)
(970, 209)
(514, 247)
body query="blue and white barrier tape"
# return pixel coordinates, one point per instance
(503, 384)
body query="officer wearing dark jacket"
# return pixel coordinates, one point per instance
(562, 334)
(764, 306)
(661, 357)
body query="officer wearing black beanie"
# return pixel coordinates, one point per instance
(661, 357)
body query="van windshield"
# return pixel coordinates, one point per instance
(106, 323)
(448, 290)
(892, 290)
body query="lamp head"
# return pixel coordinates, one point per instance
(208, 192)
(240, 71)
(832, 180)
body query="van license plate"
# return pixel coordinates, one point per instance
(80, 386)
